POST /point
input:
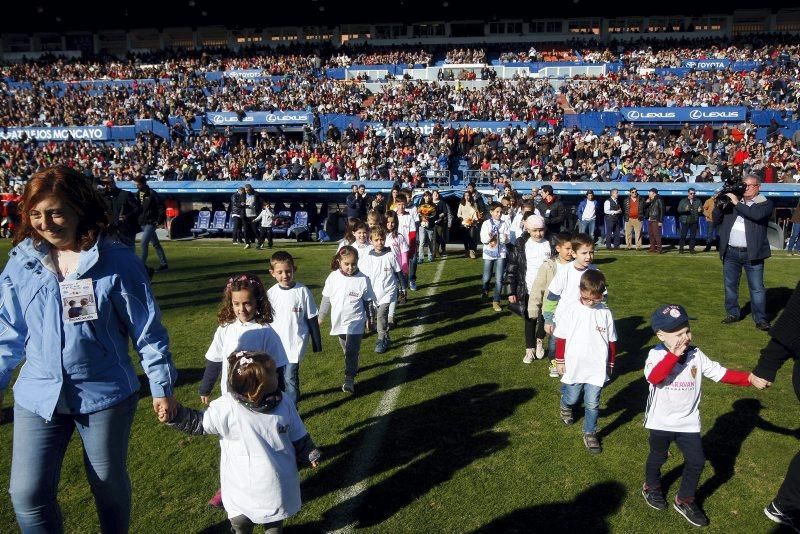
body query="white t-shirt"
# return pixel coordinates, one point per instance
(673, 405)
(380, 269)
(258, 466)
(406, 224)
(348, 296)
(588, 332)
(536, 253)
(291, 309)
(589, 211)
(567, 283)
(501, 230)
(361, 248)
(515, 228)
(244, 336)
(398, 244)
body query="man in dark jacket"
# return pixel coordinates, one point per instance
(552, 210)
(354, 204)
(152, 215)
(742, 228)
(784, 344)
(654, 207)
(238, 204)
(123, 209)
(689, 211)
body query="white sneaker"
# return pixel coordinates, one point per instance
(528, 356)
(539, 349)
(247, 245)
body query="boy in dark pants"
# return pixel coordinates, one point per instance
(675, 369)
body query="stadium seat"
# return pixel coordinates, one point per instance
(218, 224)
(202, 223)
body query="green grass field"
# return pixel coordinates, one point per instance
(449, 431)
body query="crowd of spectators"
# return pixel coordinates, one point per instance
(633, 153)
(404, 154)
(766, 90)
(639, 155)
(500, 100)
(465, 56)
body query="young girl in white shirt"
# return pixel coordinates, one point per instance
(494, 236)
(360, 239)
(347, 294)
(399, 245)
(383, 270)
(262, 440)
(244, 318)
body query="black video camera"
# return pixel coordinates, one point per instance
(732, 184)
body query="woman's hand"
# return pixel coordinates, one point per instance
(165, 406)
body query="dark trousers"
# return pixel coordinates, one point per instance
(237, 229)
(534, 328)
(613, 227)
(265, 232)
(471, 238)
(654, 233)
(687, 228)
(788, 499)
(690, 445)
(440, 243)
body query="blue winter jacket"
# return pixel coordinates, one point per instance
(88, 362)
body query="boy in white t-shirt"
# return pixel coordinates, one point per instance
(564, 287)
(675, 369)
(294, 318)
(586, 345)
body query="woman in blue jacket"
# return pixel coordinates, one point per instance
(77, 372)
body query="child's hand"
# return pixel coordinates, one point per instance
(549, 328)
(314, 464)
(758, 382)
(512, 299)
(205, 399)
(679, 348)
(561, 368)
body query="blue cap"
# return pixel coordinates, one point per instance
(669, 318)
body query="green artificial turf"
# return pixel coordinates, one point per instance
(449, 431)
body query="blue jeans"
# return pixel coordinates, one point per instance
(794, 239)
(38, 452)
(148, 235)
(292, 382)
(571, 394)
(496, 266)
(426, 239)
(586, 227)
(735, 261)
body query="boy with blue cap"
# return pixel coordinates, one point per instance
(674, 369)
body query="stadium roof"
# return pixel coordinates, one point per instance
(59, 16)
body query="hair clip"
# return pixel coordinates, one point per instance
(243, 363)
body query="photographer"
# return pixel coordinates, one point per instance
(742, 227)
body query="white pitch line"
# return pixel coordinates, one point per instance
(365, 457)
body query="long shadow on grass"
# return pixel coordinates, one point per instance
(429, 442)
(628, 403)
(777, 297)
(421, 364)
(723, 443)
(588, 512)
(632, 336)
(464, 325)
